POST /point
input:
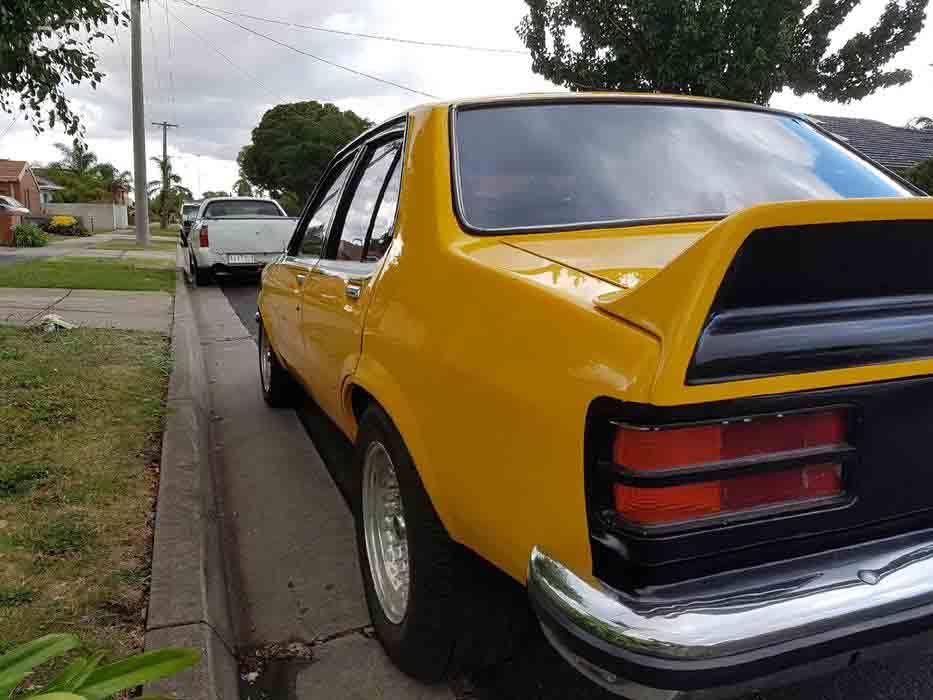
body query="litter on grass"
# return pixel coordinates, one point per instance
(52, 323)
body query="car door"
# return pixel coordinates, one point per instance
(338, 290)
(283, 281)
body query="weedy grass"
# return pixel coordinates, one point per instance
(81, 415)
(139, 274)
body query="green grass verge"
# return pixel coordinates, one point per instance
(82, 412)
(140, 274)
(131, 245)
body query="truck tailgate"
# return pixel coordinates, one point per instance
(251, 236)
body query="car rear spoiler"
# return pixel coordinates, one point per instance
(788, 288)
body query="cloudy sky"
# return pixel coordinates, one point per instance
(216, 79)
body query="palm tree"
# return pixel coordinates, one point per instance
(77, 157)
(176, 192)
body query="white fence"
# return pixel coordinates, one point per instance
(99, 217)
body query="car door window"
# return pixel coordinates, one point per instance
(369, 187)
(312, 242)
(384, 222)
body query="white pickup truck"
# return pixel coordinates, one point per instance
(235, 235)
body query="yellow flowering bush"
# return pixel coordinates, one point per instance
(65, 225)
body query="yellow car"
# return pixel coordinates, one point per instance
(662, 365)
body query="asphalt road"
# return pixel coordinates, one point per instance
(539, 674)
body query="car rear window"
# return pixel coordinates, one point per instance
(232, 209)
(567, 165)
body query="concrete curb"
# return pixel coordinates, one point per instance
(188, 598)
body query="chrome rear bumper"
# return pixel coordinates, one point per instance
(732, 633)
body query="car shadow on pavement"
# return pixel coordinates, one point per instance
(537, 672)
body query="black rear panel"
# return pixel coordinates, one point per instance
(890, 479)
(821, 296)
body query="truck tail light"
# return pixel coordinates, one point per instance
(203, 239)
(671, 475)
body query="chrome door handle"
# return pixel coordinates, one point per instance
(353, 290)
(301, 279)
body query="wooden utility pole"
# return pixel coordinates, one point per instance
(139, 127)
(163, 214)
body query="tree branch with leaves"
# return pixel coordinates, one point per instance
(45, 47)
(745, 50)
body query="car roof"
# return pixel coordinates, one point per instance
(562, 98)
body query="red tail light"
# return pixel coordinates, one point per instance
(703, 449)
(203, 240)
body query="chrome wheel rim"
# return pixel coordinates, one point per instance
(265, 361)
(384, 532)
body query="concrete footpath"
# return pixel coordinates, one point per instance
(301, 622)
(146, 311)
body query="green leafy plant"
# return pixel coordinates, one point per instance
(29, 236)
(84, 678)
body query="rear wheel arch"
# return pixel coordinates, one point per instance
(367, 388)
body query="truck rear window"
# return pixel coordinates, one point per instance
(234, 209)
(560, 165)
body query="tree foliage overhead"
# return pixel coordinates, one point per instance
(45, 46)
(294, 142)
(740, 49)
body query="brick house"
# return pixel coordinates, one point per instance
(18, 181)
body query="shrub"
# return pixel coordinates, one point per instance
(64, 225)
(29, 236)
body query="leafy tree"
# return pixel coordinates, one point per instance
(745, 50)
(210, 194)
(46, 46)
(77, 157)
(920, 123)
(921, 175)
(294, 142)
(291, 204)
(242, 186)
(112, 177)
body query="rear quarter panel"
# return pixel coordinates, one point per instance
(487, 358)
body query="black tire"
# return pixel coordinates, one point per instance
(461, 614)
(278, 388)
(203, 277)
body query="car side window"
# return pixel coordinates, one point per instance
(366, 196)
(384, 222)
(312, 242)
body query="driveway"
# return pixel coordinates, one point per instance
(538, 673)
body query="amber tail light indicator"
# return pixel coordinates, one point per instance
(729, 467)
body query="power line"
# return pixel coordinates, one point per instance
(311, 55)
(363, 35)
(171, 62)
(8, 127)
(155, 52)
(259, 83)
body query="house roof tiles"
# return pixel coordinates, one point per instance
(895, 147)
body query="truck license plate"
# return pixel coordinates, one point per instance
(241, 259)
